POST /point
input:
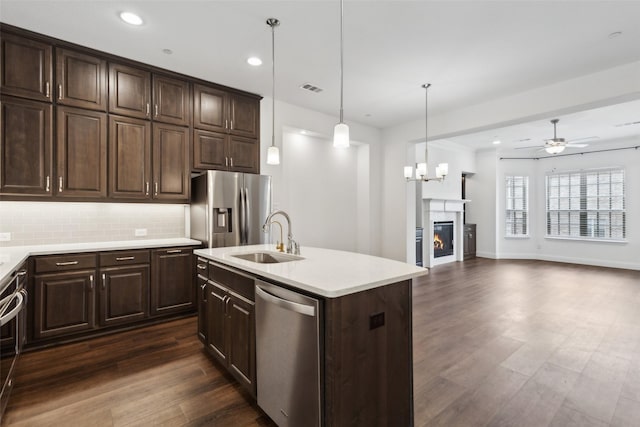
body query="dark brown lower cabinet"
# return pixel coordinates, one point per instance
(230, 334)
(124, 294)
(172, 287)
(64, 303)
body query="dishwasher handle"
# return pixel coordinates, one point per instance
(307, 310)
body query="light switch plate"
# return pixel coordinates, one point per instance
(140, 232)
(5, 237)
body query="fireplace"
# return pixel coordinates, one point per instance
(442, 239)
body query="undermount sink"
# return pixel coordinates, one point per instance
(268, 257)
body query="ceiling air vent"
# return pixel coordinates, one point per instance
(310, 87)
(621, 125)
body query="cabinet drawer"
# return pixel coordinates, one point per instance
(202, 267)
(124, 258)
(65, 262)
(239, 283)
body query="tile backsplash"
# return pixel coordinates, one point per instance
(41, 223)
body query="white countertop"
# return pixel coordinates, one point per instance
(325, 272)
(12, 256)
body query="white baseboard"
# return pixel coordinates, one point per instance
(570, 260)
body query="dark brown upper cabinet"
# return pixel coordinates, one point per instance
(171, 171)
(129, 158)
(171, 101)
(81, 80)
(244, 154)
(129, 91)
(209, 150)
(210, 108)
(82, 153)
(244, 118)
(26, 67)
(26, 142)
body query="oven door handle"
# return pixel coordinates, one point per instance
(6, 318)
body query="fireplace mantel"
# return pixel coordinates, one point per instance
(444, 205)
(442, 210)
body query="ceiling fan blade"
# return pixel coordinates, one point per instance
(577, 145)
(527, 148)
(586, 138)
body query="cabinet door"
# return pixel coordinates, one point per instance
(26, 67)
(63, 303)
(171, 171)
(210, 109)
(217, 322)
(124, 294)
(201, 289)
(25, 147)
(172, 286)
(241, 332)
(82, 153)
(130, 158)
(81, 80)
(244, 154)
(171, 101)
(129, 91)
(209, 150)
(244, 116)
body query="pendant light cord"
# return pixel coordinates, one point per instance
(273, 83)
(426, 123)
(341, 60)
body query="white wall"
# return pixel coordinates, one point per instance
(350, 223)
(398, 211)
(489, 214)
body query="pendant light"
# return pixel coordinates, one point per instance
(442, 169)
(273, 154)
(341, 130)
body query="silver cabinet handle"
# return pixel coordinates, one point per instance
(125, 258)
(226, 161)
(60, 182)
(47, 90)
(147, 109)
(231, 161)
(21, 273)
(226, 123)
(231, 124)
(201, 267)
(91, 282)
(155, 188)
(156, 110)
(146, 191)
(204, 285)
(62, 264)
(174, 251)
(60, 92)
(48, 185)
(104, 281)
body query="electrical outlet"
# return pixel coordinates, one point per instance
(140, 232)
(5, 237)
(376, 320)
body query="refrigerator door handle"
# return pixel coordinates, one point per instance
(243, 216)
(247, 211)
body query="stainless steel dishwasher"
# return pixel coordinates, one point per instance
(288, 356)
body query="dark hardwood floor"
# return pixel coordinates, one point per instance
(496, 343)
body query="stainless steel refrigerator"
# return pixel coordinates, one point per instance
(229, 208)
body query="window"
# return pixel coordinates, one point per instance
(587, 204)
(517, 215)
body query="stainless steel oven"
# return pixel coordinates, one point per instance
(13, 303)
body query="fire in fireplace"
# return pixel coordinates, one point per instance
(442, 239)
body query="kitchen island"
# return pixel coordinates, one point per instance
(365, 335)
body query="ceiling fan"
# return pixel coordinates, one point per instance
(557, 145)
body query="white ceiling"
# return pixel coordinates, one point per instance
(471, 51)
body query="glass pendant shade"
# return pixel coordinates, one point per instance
(273, 155)
(341, 136)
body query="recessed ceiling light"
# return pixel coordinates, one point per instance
(304, 132)
(615, 34)
(167, 51)
(255, 61)
(131, 18)
(496, 141)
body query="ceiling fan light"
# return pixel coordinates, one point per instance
(554, 149)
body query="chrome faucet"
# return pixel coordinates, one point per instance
(292, 245)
